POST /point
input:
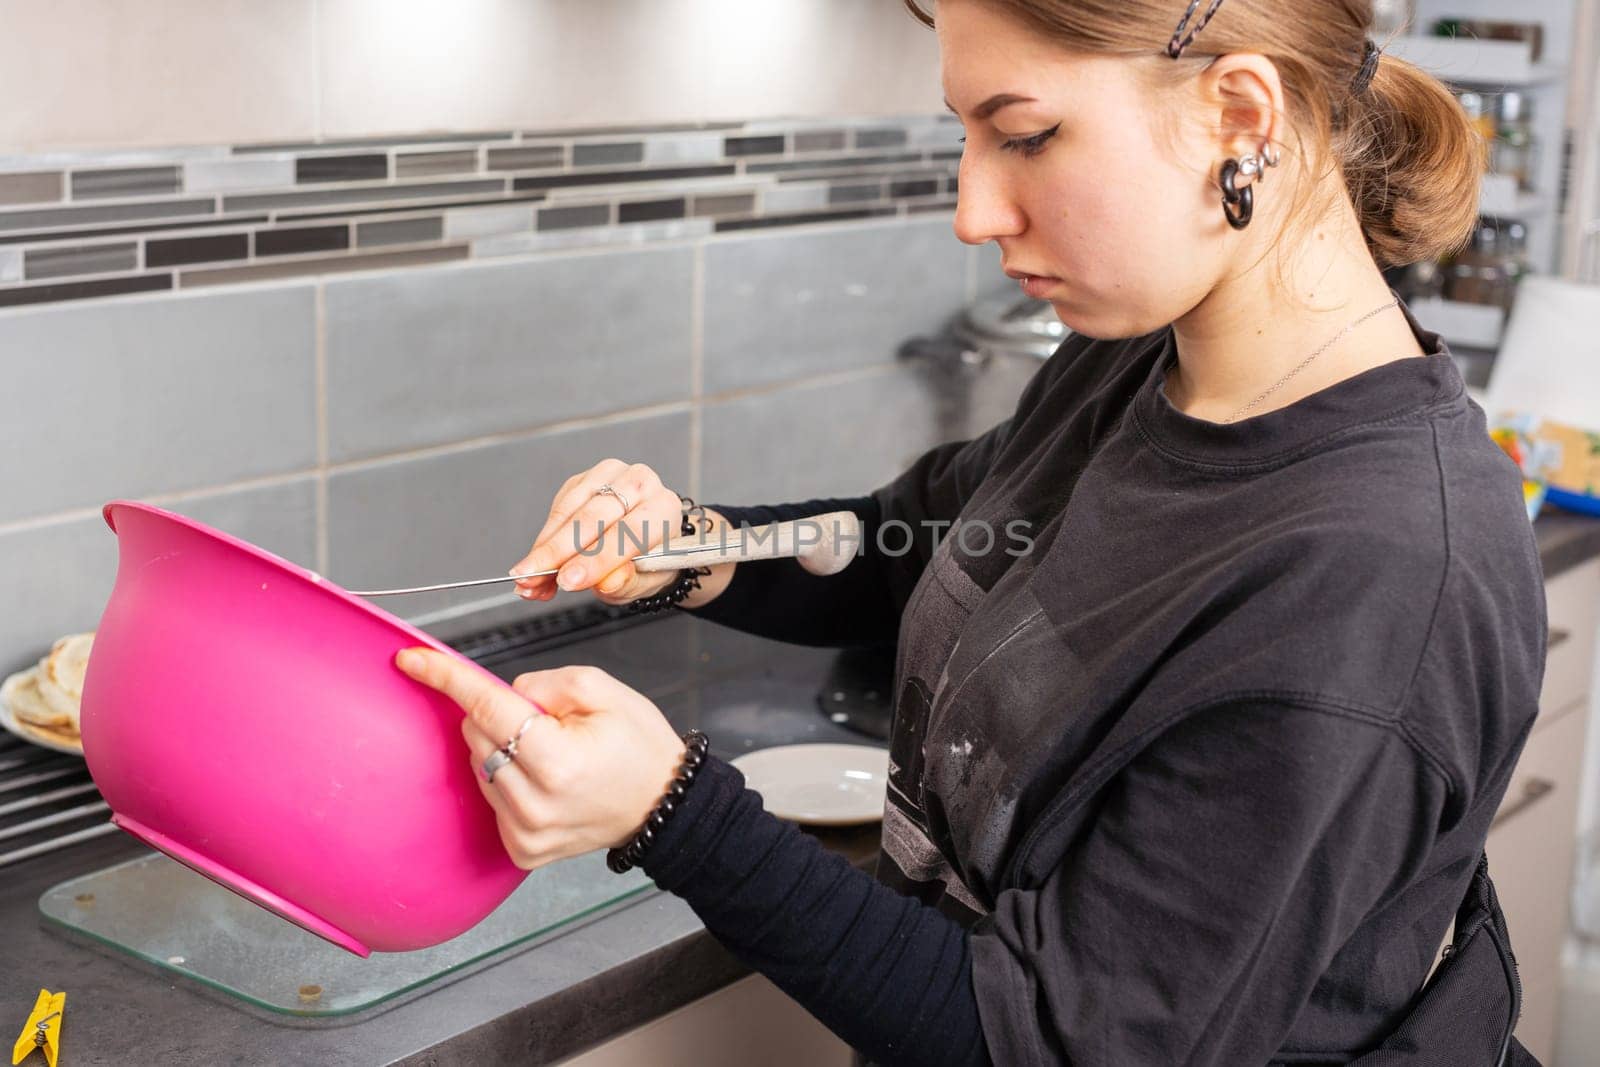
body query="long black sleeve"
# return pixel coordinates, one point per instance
(782, 600)
(1172, 932)
(862, 604)
(889, 975)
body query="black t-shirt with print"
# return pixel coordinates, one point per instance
(1199, 773)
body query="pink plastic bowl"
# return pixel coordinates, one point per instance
(245, 716)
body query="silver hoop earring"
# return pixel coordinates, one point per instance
(1252, 165)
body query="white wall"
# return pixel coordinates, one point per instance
(122, 73)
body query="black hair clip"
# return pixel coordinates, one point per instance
(1369, 67)
(1180, 41)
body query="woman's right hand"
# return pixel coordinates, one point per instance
(568, 539)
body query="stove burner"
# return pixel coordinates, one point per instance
(859, 691)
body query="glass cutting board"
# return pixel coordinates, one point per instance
(160, 911)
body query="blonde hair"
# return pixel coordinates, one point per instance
(1410, 159)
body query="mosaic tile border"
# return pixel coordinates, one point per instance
(85, 225)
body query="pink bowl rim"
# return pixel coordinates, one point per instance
(304, 574)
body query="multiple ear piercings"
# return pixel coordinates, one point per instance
(1238, 203)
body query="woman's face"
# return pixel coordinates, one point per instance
(1067, 166)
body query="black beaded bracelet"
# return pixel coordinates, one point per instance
(688, 581)
(626, 857)
(694, 522)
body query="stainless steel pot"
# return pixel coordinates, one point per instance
(980, 363)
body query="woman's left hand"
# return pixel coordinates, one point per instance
(586, 775)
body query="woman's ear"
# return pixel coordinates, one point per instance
(1243, 99)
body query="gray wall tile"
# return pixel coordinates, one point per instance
(450, 516)
(64, 572)
(831, 164)
(361, 195)
(337, 143)
(683, 148)
(783, 306)
(945, 206)
(44, 218)
(566, 218)
(525, 158)
(168, 394)
(638, 233)
(247, 172)
(80, 259)
(936, 135)
(597, 155)
(204, 248)
(855, 192)
(819, 141)
(124, 181)
(56, 292)
(423, 164)
(431, 356)
(370, 166)
(725, 204)
(651, 210)
(882, 137)
(855, 435)
(302, 240)
(468, 222)
(799, 196)
(753, 146)
(342, 263)
(30, 187)
(990, 279)
(400, 231)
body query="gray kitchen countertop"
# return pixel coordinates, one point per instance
(540, 1004)
(1566, 541)
(594, 981)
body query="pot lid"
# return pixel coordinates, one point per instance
(1018, 323)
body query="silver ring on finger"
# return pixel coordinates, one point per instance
(510, 747)
(609, 490)
(497, 761)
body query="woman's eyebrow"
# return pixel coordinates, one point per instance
(993, 104)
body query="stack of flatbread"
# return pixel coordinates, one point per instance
(44, 699)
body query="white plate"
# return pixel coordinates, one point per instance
(9, 723)
(820, 785)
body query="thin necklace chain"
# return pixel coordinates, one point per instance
(1275, 386)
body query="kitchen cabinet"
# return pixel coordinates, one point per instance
(1533, 840)
(750, 1021)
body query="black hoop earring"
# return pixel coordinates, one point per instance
(1237, 204)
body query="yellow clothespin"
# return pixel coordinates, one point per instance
(43, 1029)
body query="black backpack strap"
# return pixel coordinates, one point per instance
(1465, 1013)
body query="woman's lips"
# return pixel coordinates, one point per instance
(1035, 285)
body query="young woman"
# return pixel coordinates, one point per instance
(1203, 775)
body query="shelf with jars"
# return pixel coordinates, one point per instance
(1466, 297)
(1511, 80)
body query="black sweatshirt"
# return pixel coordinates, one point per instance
(1194, 770)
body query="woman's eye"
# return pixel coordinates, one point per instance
(1030, 146)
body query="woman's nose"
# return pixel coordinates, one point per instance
(985, 210)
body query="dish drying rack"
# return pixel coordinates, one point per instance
(47, 802)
